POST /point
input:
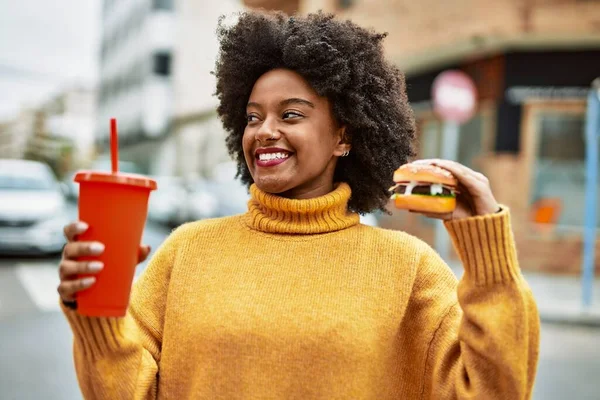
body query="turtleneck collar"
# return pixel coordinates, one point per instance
(274, 214)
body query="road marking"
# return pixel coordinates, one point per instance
(40, 281)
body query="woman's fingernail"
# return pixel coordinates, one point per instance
(88, 281)
(96, 248)
(95, 266)
(82, 226)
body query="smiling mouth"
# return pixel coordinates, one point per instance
(266, 158)
(273, 156)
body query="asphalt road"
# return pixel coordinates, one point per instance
(36, 358)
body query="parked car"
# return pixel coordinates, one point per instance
(32, 208)
(167, 203)
(232, 195)
(201, 201)
(71, 187)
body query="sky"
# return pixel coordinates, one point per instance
(46, 45)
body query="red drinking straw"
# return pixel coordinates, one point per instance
(114, 146)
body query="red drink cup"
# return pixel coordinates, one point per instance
(115, 206)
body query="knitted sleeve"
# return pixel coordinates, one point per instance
(118, 358)
(486, 346)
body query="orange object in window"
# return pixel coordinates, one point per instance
(546, 211)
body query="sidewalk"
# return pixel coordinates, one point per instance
(559, 298)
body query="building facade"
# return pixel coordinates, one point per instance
(136, 79)
(533, 63)
(155, 78)
(528, 138)
(196, 128)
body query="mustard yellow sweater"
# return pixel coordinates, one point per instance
(297, 300)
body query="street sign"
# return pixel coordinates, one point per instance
(454, 96)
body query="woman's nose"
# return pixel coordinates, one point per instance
(267, 131)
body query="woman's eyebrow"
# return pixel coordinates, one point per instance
(286, 102)
(296, 100)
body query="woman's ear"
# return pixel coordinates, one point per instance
(343, 145)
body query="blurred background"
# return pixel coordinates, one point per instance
(68, 66)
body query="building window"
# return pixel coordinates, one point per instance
(162, 64)
(559, 166)
(162, 4)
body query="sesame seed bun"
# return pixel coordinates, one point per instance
(424, 173)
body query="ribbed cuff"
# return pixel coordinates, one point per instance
(97, 335)
(486, 247)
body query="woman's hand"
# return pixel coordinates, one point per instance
(69, 267)
(475, 195)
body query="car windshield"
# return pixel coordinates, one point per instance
(20, 176)
(17, 182)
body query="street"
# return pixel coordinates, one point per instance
(35, 340)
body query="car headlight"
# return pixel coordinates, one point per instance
(48, 234)
(54, 224)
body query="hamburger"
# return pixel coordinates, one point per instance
(425, 188)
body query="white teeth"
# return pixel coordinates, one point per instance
(272, 156)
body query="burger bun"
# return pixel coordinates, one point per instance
(424, 173)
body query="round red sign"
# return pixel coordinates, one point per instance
(454, 96)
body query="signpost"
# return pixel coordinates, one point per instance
(592, 132)
(455, 101)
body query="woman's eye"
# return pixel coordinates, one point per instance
(291, 114)
(251, 118)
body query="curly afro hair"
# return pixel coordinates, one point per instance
(342, 62)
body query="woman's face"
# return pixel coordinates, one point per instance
(292, 141)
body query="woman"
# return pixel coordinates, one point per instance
(295, 298)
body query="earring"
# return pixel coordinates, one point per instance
(346, 153)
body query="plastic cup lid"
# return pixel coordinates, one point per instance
(119, 178)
